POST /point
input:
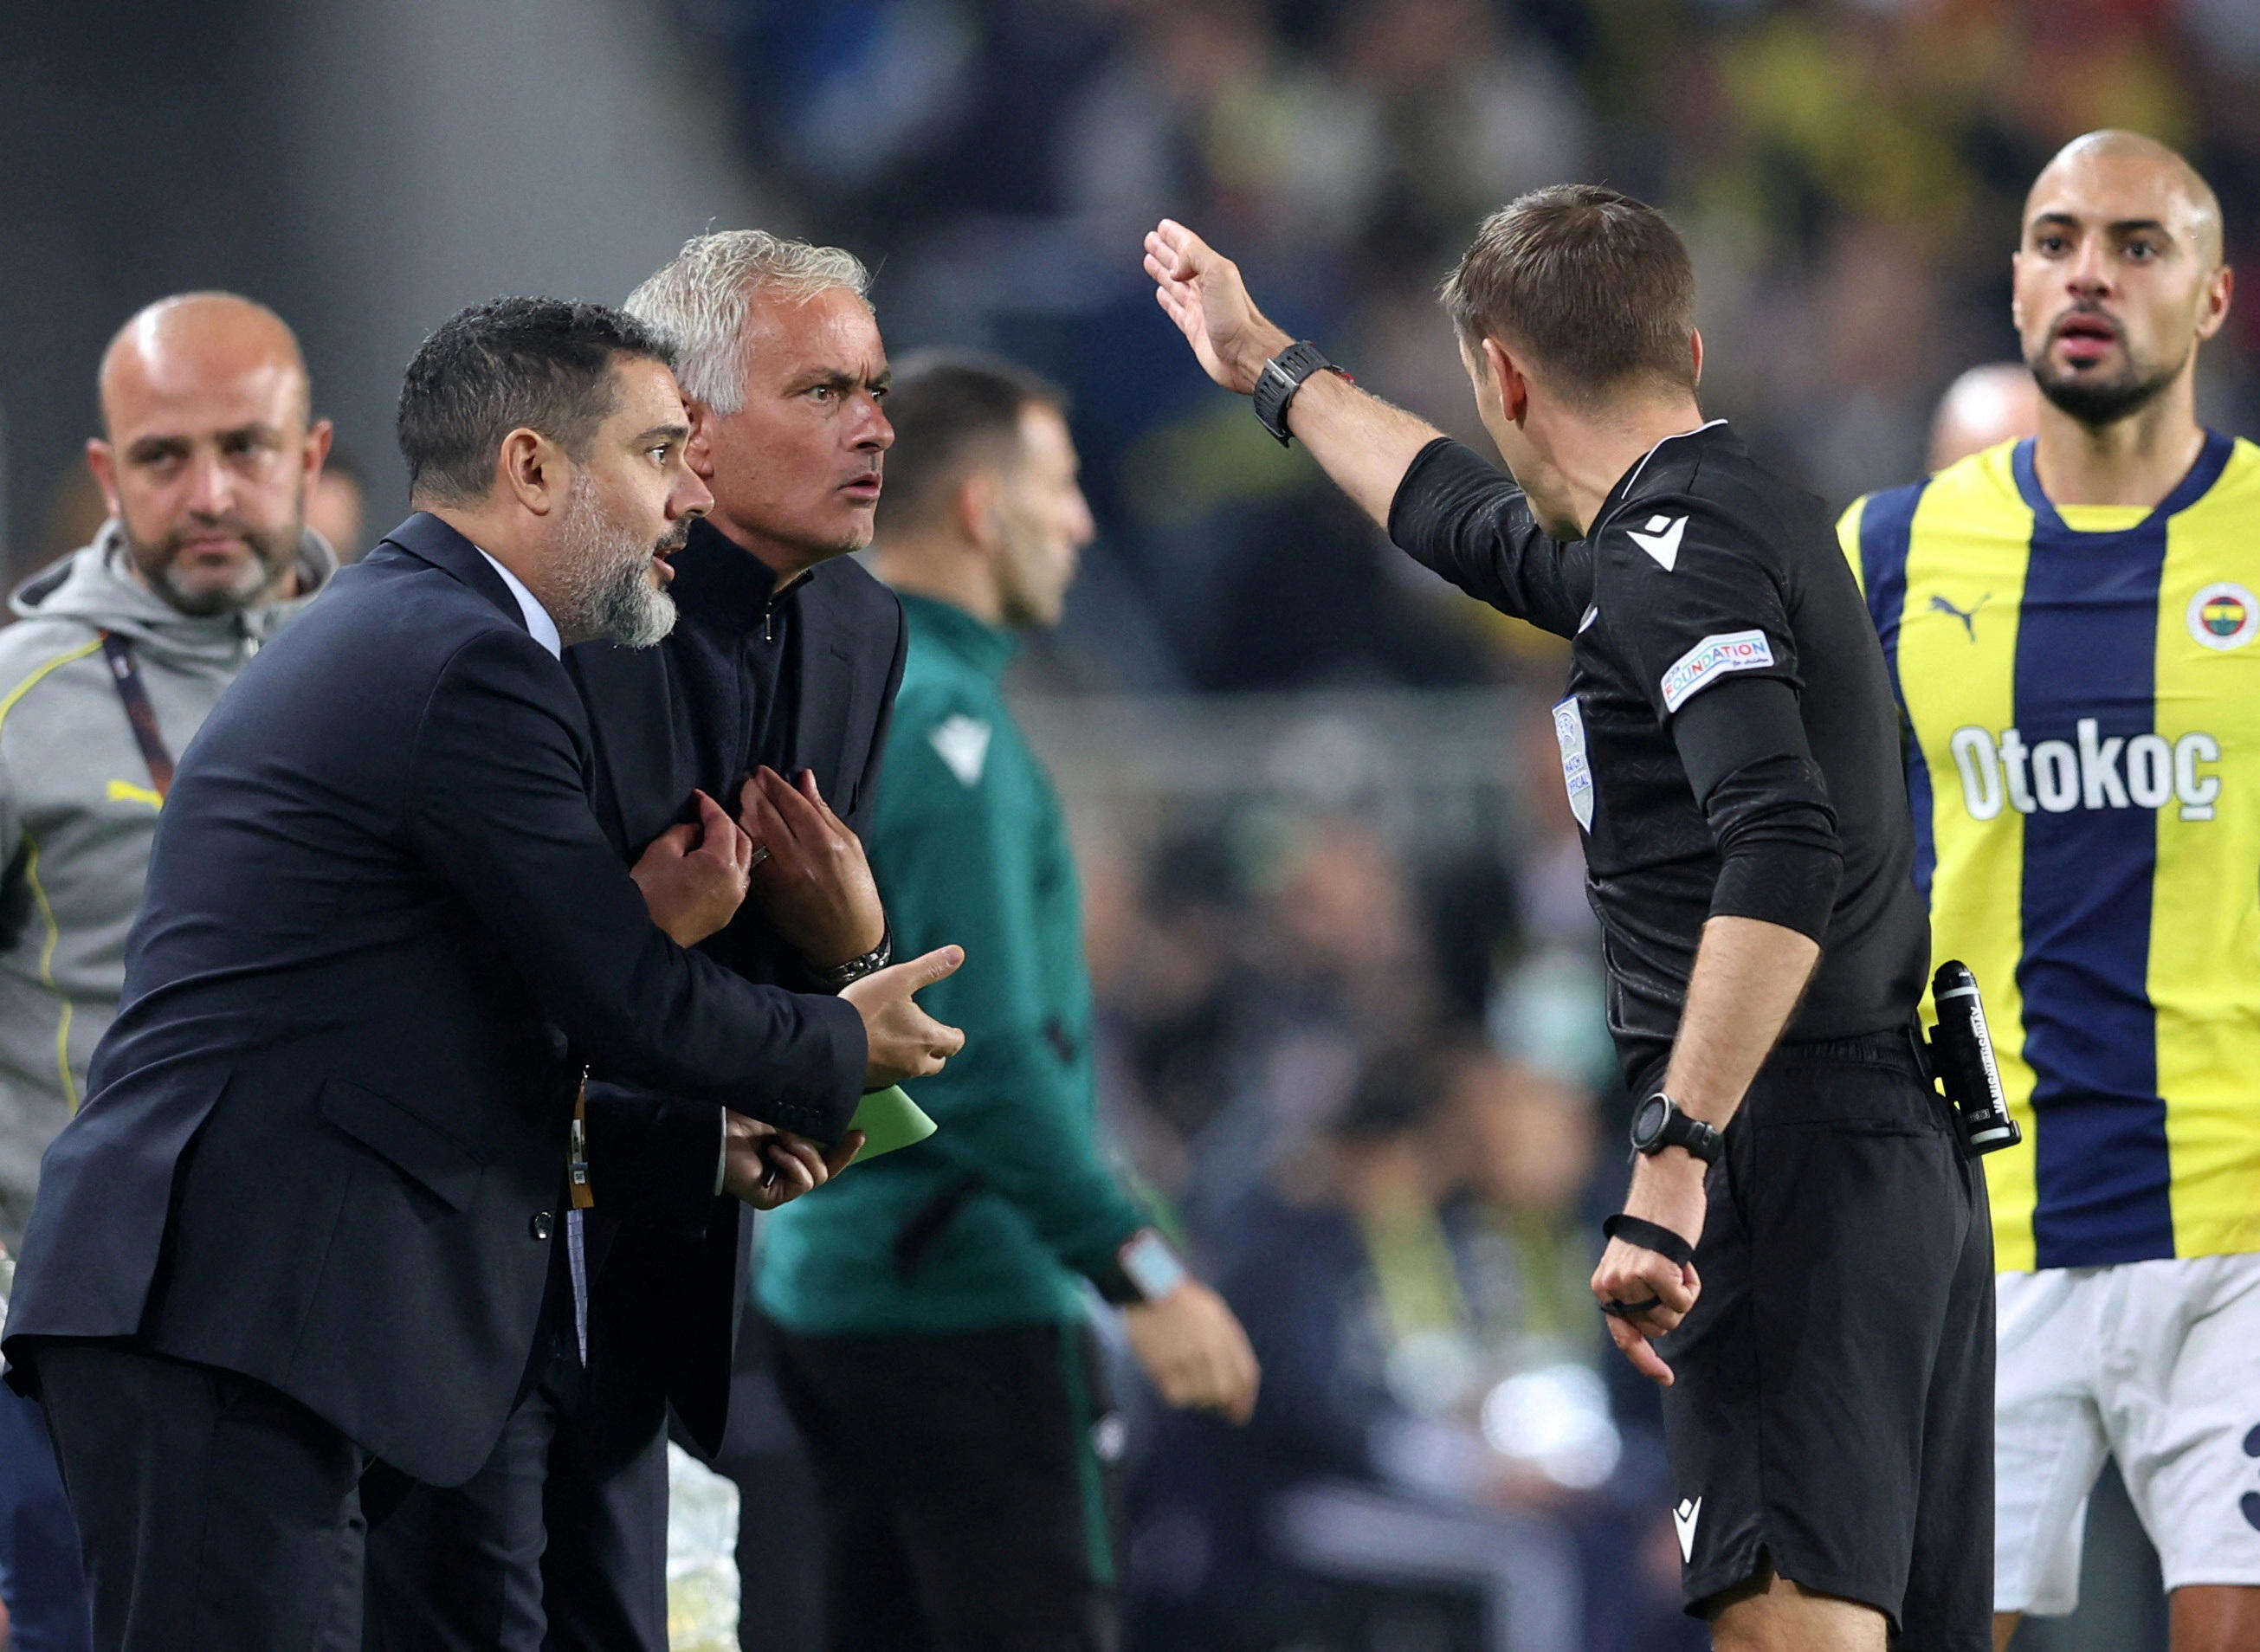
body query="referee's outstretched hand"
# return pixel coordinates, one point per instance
(1201, 289)
(1667, 1190)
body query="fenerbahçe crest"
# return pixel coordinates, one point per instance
(2224, 616)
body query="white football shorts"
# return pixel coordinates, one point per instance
(2158, 1364)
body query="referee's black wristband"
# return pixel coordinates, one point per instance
(1648, 1235)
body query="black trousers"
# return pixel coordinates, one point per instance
(968, 1487)
(558, 1543)
(603, 1575)
(214, 1511)
(780, 1515)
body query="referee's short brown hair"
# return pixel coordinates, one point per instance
(1595, 285)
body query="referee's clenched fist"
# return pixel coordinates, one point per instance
(1643, 1290)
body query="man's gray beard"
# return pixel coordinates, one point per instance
(608, 593)
(269, 562)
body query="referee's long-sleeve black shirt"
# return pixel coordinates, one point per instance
(1729, 741)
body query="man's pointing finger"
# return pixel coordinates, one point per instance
(938, 965)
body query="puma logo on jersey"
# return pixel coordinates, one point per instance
(2054, 776)
(962, 742)
(1662, 539)
(1683, 1522)
(1940, 606)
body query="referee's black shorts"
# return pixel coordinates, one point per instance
(1832, 1415)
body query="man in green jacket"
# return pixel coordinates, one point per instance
(937, 1353)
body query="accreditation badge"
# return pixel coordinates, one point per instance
(1577, 769)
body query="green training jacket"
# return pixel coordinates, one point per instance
(990, 1222)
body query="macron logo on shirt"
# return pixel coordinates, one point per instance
(1661, 539)
(962, 742)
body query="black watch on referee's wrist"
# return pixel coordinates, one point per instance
(1657, 1123)
(1282, 377)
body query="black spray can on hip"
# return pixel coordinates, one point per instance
(1962, 1051)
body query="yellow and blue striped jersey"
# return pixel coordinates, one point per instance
(2081, 693)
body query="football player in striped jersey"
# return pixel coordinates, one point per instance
(2070, 621)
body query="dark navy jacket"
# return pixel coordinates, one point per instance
(325, 1139)
(801, 678)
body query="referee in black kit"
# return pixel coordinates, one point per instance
(1731, 752)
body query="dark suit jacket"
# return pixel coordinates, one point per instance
(688, 714)
(325, 1141)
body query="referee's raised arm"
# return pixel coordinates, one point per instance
(1363, 442)
(1441, 502)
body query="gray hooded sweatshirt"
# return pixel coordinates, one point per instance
(78, 809)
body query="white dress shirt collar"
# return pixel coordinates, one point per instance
(537, 618)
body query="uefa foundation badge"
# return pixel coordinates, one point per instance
(2224, 616)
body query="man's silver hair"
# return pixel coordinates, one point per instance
(699, 301)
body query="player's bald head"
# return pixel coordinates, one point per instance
(186, 348)
(2126, 167)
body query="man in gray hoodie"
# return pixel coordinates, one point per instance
(118, 652)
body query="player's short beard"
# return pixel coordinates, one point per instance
(2098, 401)
(605, 575)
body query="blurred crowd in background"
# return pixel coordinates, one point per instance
(1846, 172)
(1348, 984)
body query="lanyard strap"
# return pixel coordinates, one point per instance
(584, 1197)
(139, 712)
(577, 1160)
